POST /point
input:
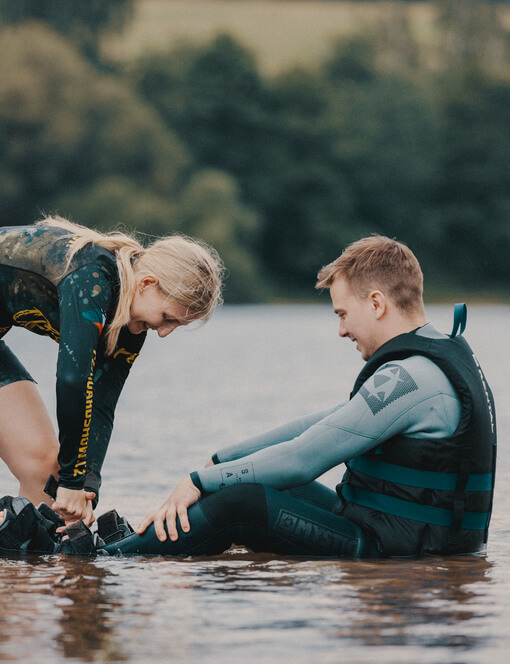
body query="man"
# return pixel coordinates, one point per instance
(417, 436)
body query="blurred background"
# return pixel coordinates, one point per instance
(276, 130)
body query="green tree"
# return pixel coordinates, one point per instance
(214, 97)
(115, 201)
(470, 242)
(265, 135)
(304, 194)
(82, 22)
(385, 129)
(211, 208)
(472, 37)
(322, 157)
(361, 158)
(64, 128)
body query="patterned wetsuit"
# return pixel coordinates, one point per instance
(73, 310)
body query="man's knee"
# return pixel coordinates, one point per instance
(241, 504)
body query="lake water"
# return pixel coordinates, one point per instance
(249, 369)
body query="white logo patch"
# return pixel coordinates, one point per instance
(387, 385)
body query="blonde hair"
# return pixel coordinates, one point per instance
(379, 262)
(188, 271)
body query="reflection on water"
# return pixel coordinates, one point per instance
(126, 610)
(408, 602)
(60, 602)
(252, 368)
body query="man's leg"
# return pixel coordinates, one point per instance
(261, 518)
(315, 493)
(202, 540)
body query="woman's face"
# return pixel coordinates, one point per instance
(151, 310)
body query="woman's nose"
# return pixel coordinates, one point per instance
(165, 330)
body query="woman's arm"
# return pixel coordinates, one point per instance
(111, 374)
(85, 297)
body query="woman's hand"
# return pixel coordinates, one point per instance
(176, 505)
(74, 504)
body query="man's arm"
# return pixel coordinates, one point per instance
(411, 397)
(284, 432)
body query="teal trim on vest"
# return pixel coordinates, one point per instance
(437, 516)
(459, 319)
(423, 479)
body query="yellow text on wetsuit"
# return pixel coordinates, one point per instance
(80, 466)
(129, 357)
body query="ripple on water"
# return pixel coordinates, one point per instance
(241, 374)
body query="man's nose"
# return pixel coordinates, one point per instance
(342, 330)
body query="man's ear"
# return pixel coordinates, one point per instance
(378, 302)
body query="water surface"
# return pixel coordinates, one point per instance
(249, 369)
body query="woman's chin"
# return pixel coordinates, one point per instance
(135, 328)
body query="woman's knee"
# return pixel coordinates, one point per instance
(46, 456)
(28, 443)
(38, 465)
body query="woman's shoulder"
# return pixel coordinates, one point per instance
(94, 255)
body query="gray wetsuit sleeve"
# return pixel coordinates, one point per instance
(286, 431)
(411, 397)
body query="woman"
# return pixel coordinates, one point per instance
(96, 295)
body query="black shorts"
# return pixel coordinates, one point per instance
(11, 369)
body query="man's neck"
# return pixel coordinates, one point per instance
(400, 324)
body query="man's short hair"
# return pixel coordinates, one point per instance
(378, 263)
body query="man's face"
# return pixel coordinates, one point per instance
(358, 318)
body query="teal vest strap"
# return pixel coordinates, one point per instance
(459, 319)
(426, 514)
(422, 479)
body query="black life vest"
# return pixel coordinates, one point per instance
(421, 496)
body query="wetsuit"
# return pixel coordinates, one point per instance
(73, 310)
(261, 493)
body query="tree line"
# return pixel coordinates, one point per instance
(279, 173)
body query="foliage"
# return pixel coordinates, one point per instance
(210, 208)
(82, 22)
(323, 158)
(472, 199)
(66, 128)
(279, 174)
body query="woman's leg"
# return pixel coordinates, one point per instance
(28, 443)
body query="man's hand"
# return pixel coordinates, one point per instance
(74, 504)
(176, 505)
